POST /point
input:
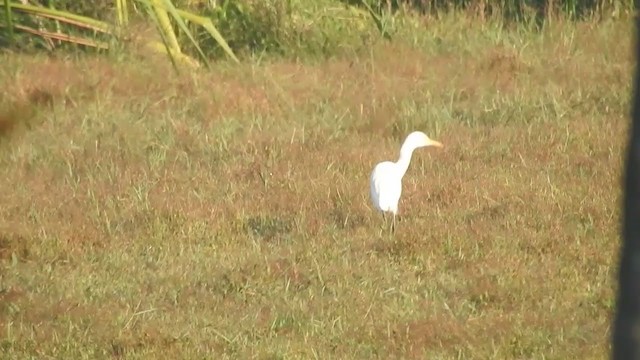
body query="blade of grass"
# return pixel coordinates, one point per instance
(63, 16)
(154, 18)
(159, 9)
(168, 7)
(376, 18)
(165, 25)
(57, 22)
(9, 18)
(207, 24)
(122, 13)
(63, 37)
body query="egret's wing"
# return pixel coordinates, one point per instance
(385, 187)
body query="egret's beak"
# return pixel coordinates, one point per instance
(436, 144)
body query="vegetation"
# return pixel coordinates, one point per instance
(206, 28)
(223, 212)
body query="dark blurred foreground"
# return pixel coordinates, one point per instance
(625, 332)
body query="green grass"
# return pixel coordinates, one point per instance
(225, 214)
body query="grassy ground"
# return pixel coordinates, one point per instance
(225, 214)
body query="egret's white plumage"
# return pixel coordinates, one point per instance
(386, 178)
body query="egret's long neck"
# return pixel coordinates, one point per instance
(404, 160)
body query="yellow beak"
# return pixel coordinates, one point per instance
(436, 144)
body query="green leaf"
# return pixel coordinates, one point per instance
(167, 5)
(66, 17)
(376, 18)
(207, 24)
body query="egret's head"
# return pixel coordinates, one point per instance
(418, 139)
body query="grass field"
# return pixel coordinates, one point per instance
(225, 213)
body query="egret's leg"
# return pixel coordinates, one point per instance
(393, 224)
(384, 222)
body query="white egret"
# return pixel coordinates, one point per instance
(386, 178)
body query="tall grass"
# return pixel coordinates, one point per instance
(203, 30)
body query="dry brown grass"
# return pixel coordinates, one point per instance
(225, 213)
